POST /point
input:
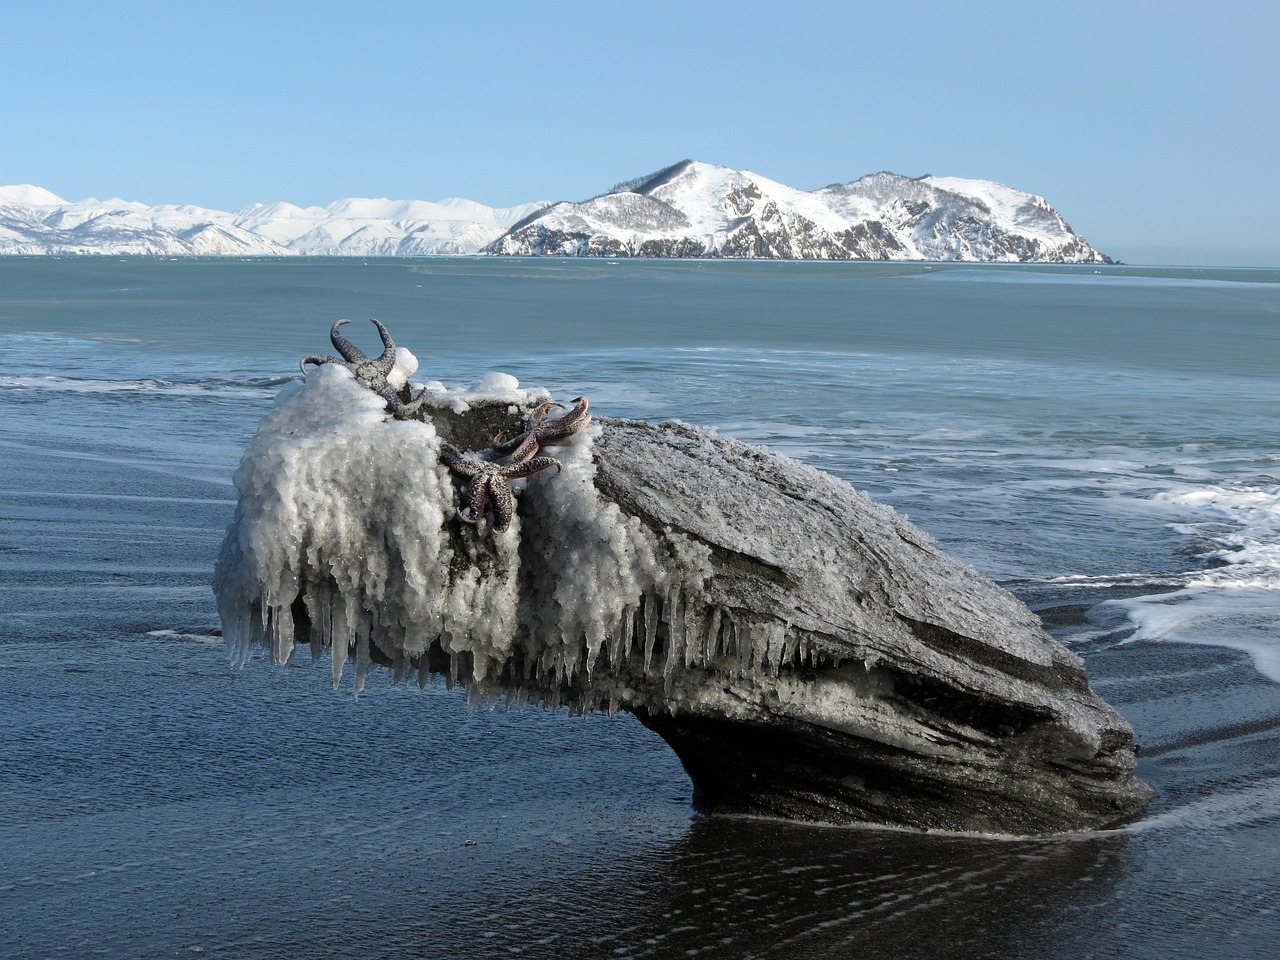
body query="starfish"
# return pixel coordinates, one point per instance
(368, 373)
(487, 482)
(538, 432)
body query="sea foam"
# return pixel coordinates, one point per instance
(1235, 600)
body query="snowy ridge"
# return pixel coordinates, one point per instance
(35, 221)
(364, 227)
(689, 209)
(696, 209)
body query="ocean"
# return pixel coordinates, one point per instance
(1102, 441)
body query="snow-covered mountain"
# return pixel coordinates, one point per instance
(35, 221)
(697, 209)
(690, 209)
(388, 228)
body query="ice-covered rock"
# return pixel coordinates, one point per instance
(805, 651)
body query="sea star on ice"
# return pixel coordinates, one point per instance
(368, 373)
(487, 482)
(539, 432)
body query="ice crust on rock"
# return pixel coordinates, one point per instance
(342, 510)
(806, 652)
(350, 517)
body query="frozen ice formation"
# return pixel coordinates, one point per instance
(806, 652)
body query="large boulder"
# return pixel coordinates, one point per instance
(806, 652)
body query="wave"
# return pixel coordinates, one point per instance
(1111, 276)
(1233, 804)
(1233, 600)
(89, 385)
(183, 636)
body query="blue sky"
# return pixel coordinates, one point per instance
(1151, 126)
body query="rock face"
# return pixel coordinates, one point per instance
(807, 653)
(889, 683)
(700, 210)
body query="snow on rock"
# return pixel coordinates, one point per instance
(806, 652)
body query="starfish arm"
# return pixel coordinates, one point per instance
(388, 359)
(460, 464)
(540, 411)
(531, 429)
(571, 424)
(317, 359)
(503, 503)
(529, 467)
(349, 350)
(522, 451)
(568, 426)
(406, 411)
(565, 430)
(477, 496)
(387, 393)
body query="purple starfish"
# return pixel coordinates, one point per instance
(487, 483)
(539, 432)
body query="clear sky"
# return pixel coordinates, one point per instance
(1153, 127)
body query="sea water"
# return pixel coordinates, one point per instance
(1105, 442)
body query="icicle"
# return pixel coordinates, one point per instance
(788, 651)
(711, 643)
(675, 631)
(401, 666)
(593, 651)
(479, 666)
(342, 630)
(338, 657)
(650, 629)
(363, 660)
(695, 642)
(285, 630)
(776, 645)
(621, 644)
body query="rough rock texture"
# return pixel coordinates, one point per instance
(805, 651)
(899, 686)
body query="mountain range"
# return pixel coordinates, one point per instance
(690, 209)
